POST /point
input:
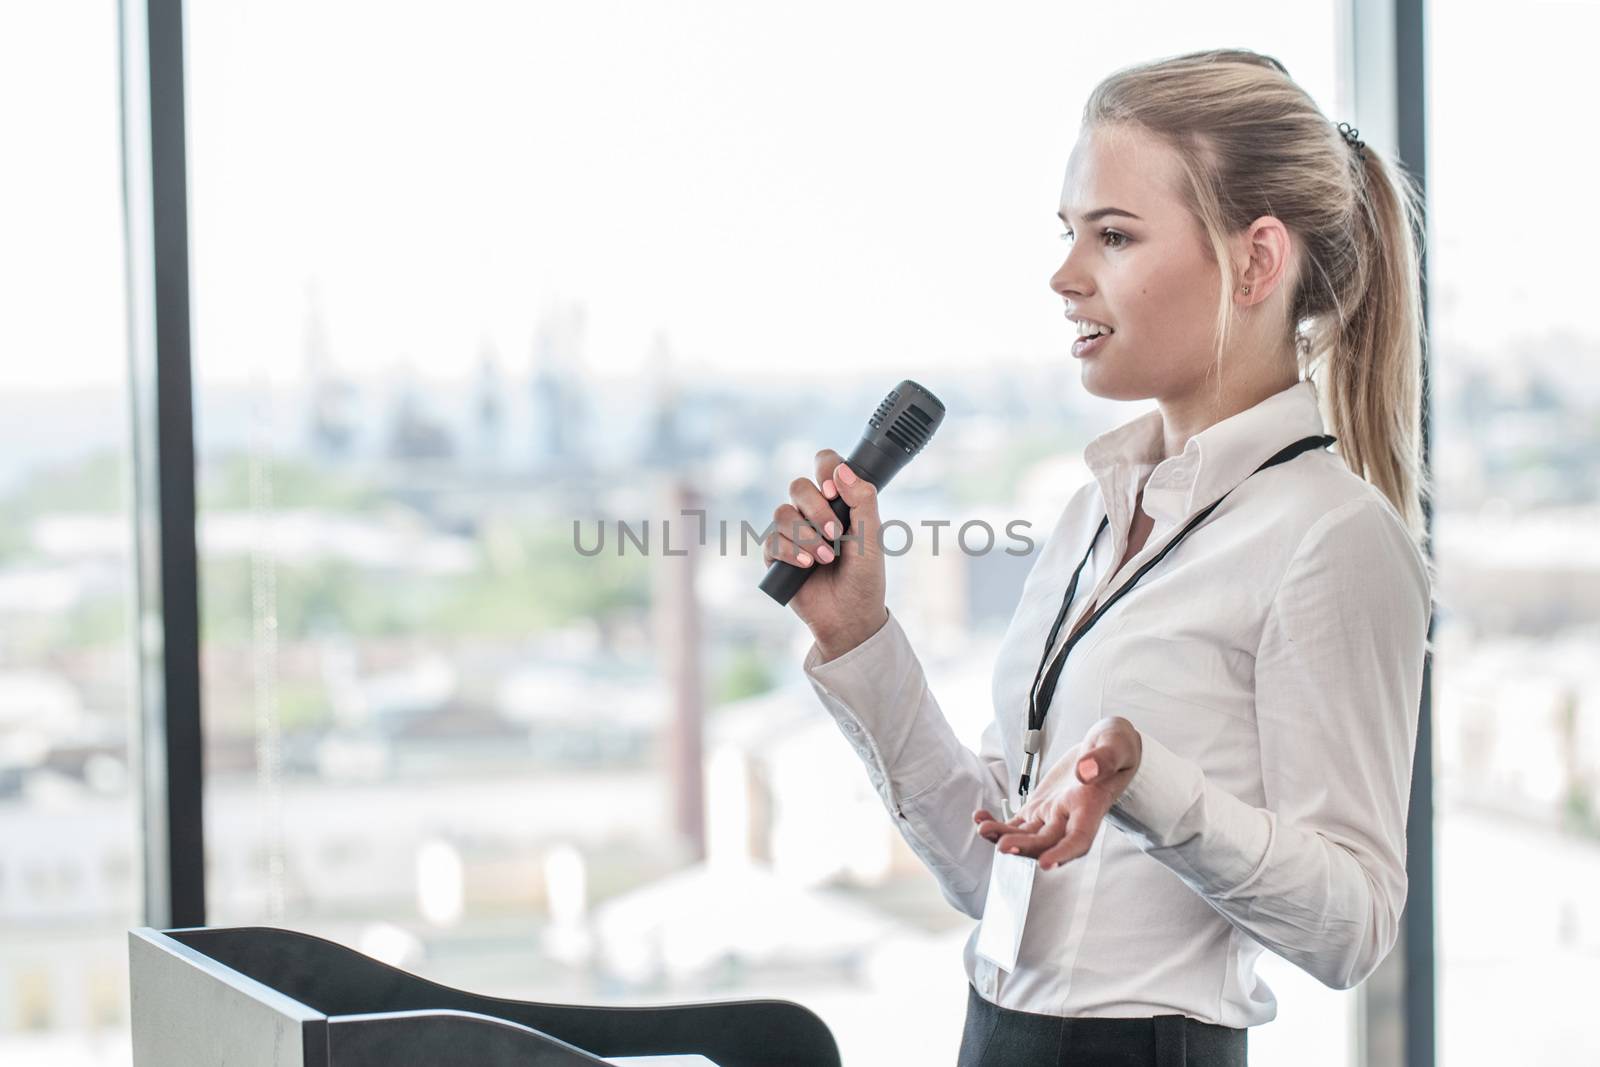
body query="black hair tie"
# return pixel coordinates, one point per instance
(1349, 133)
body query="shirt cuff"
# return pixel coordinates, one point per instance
(878, 695)
(867, 677)
(1211, 839)
(1161, 794)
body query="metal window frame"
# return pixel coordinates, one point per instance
(1386, 70)
(166, 601)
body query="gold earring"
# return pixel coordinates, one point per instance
(1247, 288)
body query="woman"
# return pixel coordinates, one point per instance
(1237, 691)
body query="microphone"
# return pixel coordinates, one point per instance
(897, 430)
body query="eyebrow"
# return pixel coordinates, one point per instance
(1100, 213)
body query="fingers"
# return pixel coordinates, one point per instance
(813, 507)
(1070, 847)
(1097, 763)
(781, 547)
(1053, 842)
(990, 828)
(1114, 744)
(1106, 759)
(837, 481)
(862, 497)
(827, 460)
(1024, 842)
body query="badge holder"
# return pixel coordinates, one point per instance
(1005, 910)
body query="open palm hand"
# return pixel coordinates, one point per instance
(1064, 810)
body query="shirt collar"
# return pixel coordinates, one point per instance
(1212, 462)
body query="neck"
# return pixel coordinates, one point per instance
(1184, 416)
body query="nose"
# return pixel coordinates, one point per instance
(1069, 281)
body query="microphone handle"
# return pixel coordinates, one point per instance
(783, 580)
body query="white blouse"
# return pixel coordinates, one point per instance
(1272, 663)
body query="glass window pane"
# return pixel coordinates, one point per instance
(70, 859)
(460, 281)
(1517, 395)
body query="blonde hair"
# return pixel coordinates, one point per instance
(1252, 142)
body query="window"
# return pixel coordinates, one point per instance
(68, 881)
(1517, 402)
(462, 281)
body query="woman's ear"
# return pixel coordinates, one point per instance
(1265, 251)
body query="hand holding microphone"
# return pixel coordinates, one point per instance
(842, 600)
(825, 555)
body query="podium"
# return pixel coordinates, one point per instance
(268, 997)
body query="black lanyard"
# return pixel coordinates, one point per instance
(1039, 696)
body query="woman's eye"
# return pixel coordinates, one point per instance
(1122, 239)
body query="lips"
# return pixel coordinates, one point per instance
(1084, 346)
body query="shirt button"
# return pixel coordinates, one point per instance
(851, 727)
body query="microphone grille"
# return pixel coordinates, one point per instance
(910, 426)
(884, 408)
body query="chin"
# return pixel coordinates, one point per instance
(1111, 386)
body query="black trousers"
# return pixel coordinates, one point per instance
(1000, 1037)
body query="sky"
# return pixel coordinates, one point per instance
(730, 189)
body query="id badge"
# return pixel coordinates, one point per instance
(1006, 909)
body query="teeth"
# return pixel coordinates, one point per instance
(1087, 329)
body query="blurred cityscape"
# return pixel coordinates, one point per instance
(549, 775)
(439, 733)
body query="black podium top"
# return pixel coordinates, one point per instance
(279, 998)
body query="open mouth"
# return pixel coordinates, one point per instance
(1084, 346)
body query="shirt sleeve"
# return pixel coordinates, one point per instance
(929, 781)
(1318, 875)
